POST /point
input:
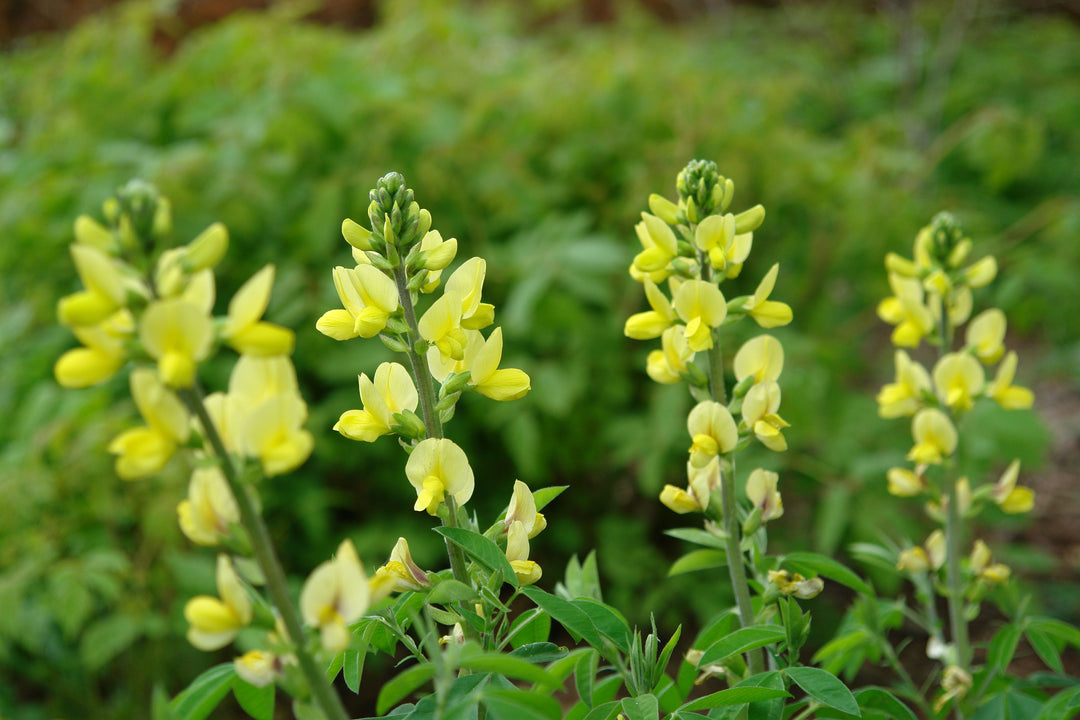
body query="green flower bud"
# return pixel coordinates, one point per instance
(696, 182)
(394, 343)
(456, 382)
(139, 202)
(409, 425)
(753, 522)
(945, 236)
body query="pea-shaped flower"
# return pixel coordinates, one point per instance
(437, 467)
(713, 431)
(762, 357)
(935, 437)
(702, 307)
(214, 622)
(334, 595)
(391, 392)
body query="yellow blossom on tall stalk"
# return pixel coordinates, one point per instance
(209, 511)
(399, 574)
(437, 468)
(215, 621)
(334, 595)
(392, 392)
(144, 451)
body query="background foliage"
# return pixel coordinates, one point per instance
(536, 144)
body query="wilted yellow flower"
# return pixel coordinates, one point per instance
(761, 491)
(335, 595)
(391, 392)
(209, 510)
(935, 437)
(1003, 392)
(244, 328)
(767, 313)
(761, 357)
(905, 396)
(143, 451)
(955, 682)
(986, 335)
(797, 585)
(713, 431)
(959, 379)
(214, 622)
(437, 467)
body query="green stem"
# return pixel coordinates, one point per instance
(953, 544)
(267, 558)
(736, 569)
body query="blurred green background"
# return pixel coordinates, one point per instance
(534, 137)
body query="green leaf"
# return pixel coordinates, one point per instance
(204, 693)
(1003, 646)
(451, 590)
(879, 699)
(401, 686)
(334, 666)
(807, 562)
(159, 705)
(352, 668)
(1060, 705)
(543, 496)
(540, 652)
(697, 536)
(531, 626)
(1045, 647)
(258, 702)
(824, 687)
(1051, 626)
(567, 614)
(608, 621)
(604, 711)
(585, 676)
(734, 696)
(698, 560)
(743, 639)
(104, 639)
(642, 707)
(508, 665)
(520, 705)
(480, 549)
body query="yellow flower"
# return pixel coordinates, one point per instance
(257, 667)
(759, 411)
(441, 326)
(905, 396)
(391, 392)
(467, 284)
(103, 353)
(1010, 497)
(981, 273)
(986, 335)
(797, 585)
(651, 324)
(936, 549)
(959, 379)
(914, 560)
(517, 552)
(438, 253)
(701, 306)
(244, 329)
(660, 248)
(178, 334)
(335, 595)
(90, 232)
(437, 467)
(356, 234)
(369, 298)
(761, 491)
(935, 437)
(905, 483)
(718, 237)
(522, 508)
(906, 310)
(767, 313)
(145, 450)
(105, 293)
(210, 509)
(399, 574)
(215, 622)
(1003, 392)
(667, 365)
(482, 361)
(761, 357)
(713, 431)
(263, 415)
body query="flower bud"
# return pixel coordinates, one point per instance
(207, 249)
(356, 234)
(749, 220)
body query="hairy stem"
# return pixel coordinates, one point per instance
(266, 556)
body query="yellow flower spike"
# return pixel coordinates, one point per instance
(1008, 496)
(467, 284)
(391, 392)
(356, 234)
(761, 357)
(959, 379)
(666, 365)
(907, 311)
(335, 595)
(244, 329)
(209, 509)
(701, 306)
(482, 361)
(651, 324)
(981, 273)
(986, 335)
(659, 243)
(761, 491)
(936, 549)
(145, 450)
(517, 552)
(935, 437)
(368, 298)
(712, 430)
(768, 313)
(101, 357)
(437, 467)
(441, 326)
(179, 335)
(273, 433)
(904, 396)
(1003, 392)
(522, 508)
(215, 622)
(913, 560)
(257, 667)
(759, 409)
(905, 483)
